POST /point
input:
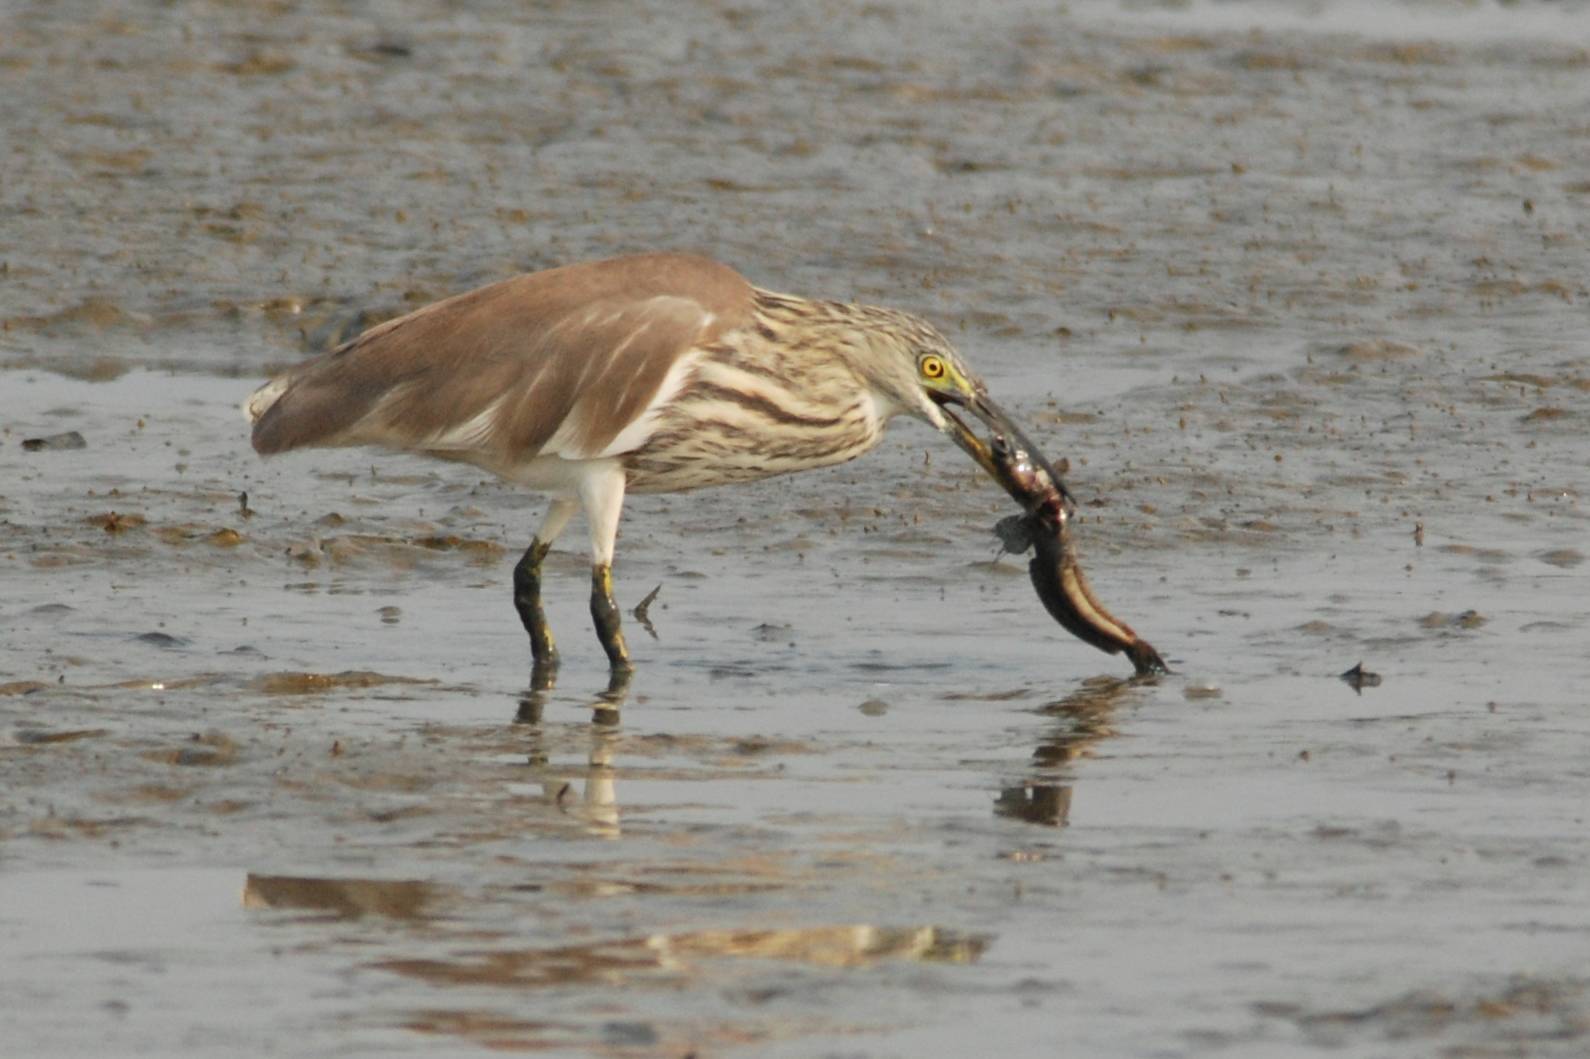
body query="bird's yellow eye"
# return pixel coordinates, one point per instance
(932, 367)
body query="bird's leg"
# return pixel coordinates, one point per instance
(604, 612)
(527, 601)
(601, 490)
(527, 595)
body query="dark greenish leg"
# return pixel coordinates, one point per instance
(527, 601)
(604, 612)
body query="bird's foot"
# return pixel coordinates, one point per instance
(604, 711)
(543, 675)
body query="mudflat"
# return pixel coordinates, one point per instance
(1297, 297)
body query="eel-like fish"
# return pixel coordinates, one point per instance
(1054, 569)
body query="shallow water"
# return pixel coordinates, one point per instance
(1297, 292)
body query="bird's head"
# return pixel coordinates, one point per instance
(928, 379)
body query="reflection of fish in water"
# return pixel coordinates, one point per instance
(1054, 569)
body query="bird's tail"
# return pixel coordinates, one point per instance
(260, 401)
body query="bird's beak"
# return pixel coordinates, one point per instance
(1004, 438)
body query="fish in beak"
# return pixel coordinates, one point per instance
(1045, 526)
(1007, 455)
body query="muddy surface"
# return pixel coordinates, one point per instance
(1297, 292)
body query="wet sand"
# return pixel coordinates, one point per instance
(1299, 298)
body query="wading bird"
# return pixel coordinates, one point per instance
(649, 373)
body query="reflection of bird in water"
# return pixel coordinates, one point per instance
(678, 957)
(598, 804)
(1085, 715)
(652, 373)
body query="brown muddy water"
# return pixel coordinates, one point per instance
(1299, 294)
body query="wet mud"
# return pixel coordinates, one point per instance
(1296, 296)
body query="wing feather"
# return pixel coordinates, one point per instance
(573, 354)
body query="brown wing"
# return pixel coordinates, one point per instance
(501, 369)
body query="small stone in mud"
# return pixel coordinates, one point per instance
(209, 749)
(50, 609)
(1469, 619)
(629, 1034)
(308, 553)
(390, 615)
(115, 521)
(42, 737)
(160, 639)
(1201, 689)
(55, 442)
(1563, 557)
(1376, 349)
(874, 708)
(289, 683)
(1358, 678)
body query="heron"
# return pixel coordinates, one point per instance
(646, 373)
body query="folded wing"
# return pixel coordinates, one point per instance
(550, 363)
